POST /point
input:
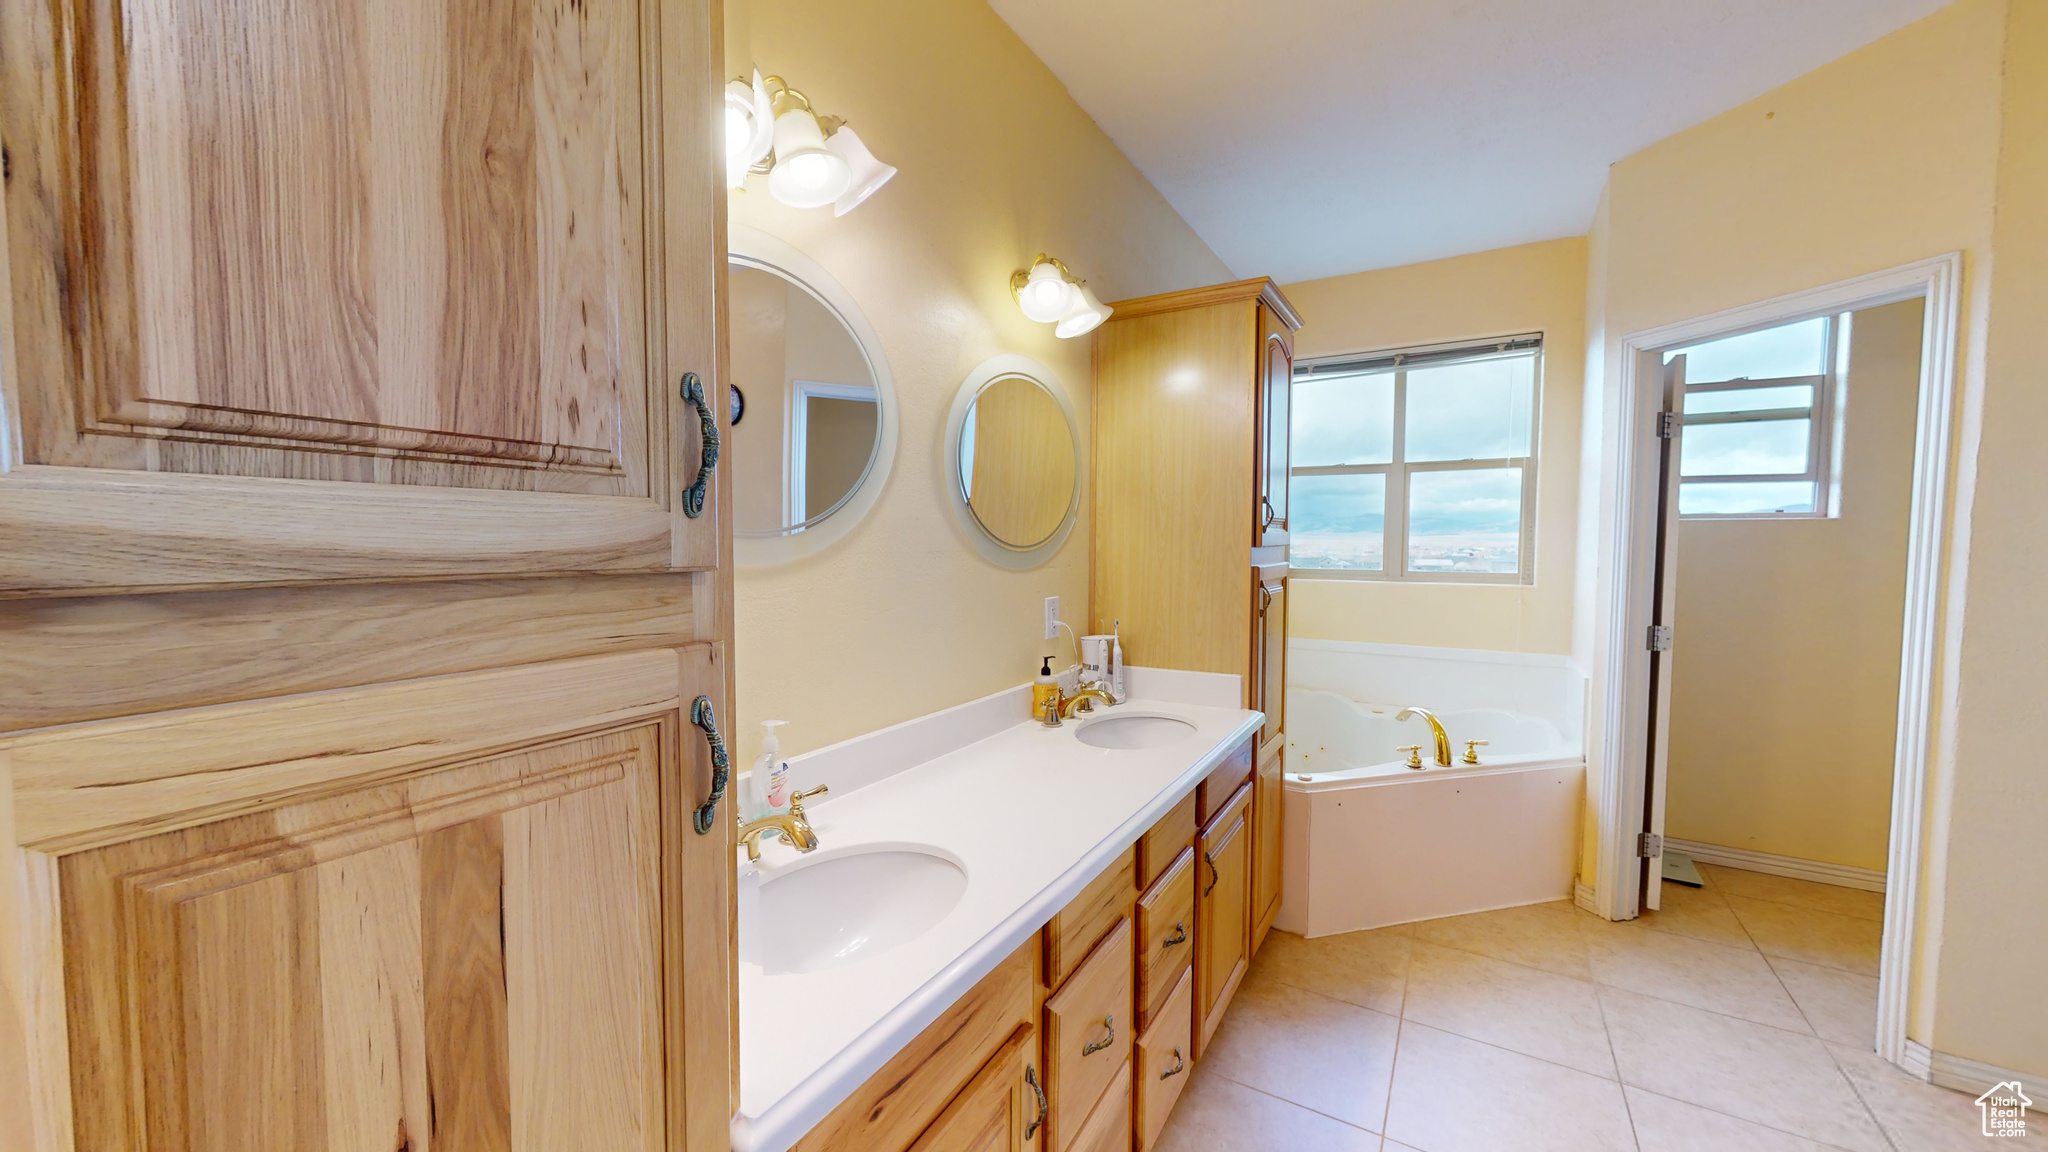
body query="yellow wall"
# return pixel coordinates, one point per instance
(1534, 287)
(1888, 155)
(903, 617)
(1784, 693)
(1993, 891)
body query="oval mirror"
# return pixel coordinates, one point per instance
(811, 451)
(1014, 461)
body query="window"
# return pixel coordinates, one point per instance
(1759, 429)
(1417, 465)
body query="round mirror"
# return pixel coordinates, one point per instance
(1014, 461)
(810, 455)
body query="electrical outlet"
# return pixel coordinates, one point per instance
(1052, 617)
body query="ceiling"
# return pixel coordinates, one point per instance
(1307, 138)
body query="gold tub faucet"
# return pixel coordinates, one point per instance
(1443, 741)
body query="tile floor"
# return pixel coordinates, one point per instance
(1737, 1019)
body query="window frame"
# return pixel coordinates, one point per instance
(1394, 524)
(1824, 433)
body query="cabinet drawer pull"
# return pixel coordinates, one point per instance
(1211, 861)
(1031, 1078)
(703, 717)
(1180, 935)
(1108, 1022)
(693, 496)
(1179, 1065)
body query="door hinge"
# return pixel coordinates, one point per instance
(1660, 638)
(1667, 425)
(1649, 845)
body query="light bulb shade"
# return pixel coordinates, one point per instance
(1084, 317)
(806, 174)
(1045, 296)
(749, 129)
(869, 174)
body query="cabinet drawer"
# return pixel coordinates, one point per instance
(1166, 934)
(992, 1113)
(1161, 846)
(1222, 782)
(1088, 1035)
(887, 1112)
(1108, 1127)
(1070, 935)
(1166, 1052)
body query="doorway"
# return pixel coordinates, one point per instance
(1638, 663)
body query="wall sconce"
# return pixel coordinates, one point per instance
(1048, 293)
(810, 160)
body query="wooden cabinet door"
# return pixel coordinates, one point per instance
(996, 1109)
(1222, 913)
(466, 913)
(1267, 798)
(1268, 681)
(1275, 385)
(355, 290)
(1088, 1035)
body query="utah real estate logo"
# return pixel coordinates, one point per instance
(2005, 1109)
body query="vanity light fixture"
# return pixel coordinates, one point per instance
(811, 160)
(1050, 294)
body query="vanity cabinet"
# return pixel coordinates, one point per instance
(1166, 1056)
(1222, 913)
(941, 1084)
(1088, 1034)
(997, 1111)
(1191, 517)
(386, 292)
(1166, 934)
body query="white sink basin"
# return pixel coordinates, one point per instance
(1145, 730)
(817, 914)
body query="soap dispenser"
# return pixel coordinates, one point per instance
(1045, 687)
(768, 783)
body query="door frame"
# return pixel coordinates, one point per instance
(1617, 766)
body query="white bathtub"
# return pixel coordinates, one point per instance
(1369, 842)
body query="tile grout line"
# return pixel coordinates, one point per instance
(1400, 1022)
(1297, 1104)
(1627, 1109)
(1744, 1119)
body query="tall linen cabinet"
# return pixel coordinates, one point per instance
(364, 598)
(1190, 514)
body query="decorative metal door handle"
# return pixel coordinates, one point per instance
(1031, 1078)
(693, 496)
(703, 717)
(1180, 935)
(1211, 861)
(1108, 1022)
(1266, 513)
(1179, 1065)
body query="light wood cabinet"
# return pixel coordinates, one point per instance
(1267, 803)
(1108, 1127)
(898, 1104)
(996, 1109)
(1087, 918)
(1088, 1035)
(315, 322)
(1166, 1057)
(1166, 934)
(250, 926)
(357, 291)
(1222, 914)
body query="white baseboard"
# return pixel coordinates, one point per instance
(1583, 897)
(1962, 1073)
(1840, 875)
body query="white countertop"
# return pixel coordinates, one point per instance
(1029, 812)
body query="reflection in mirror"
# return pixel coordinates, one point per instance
(1017, 462)
(813, 418)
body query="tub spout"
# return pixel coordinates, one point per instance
(1443, 741)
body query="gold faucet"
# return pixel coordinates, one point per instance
(1443, 742)
(1068, 704)
(795, 827)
